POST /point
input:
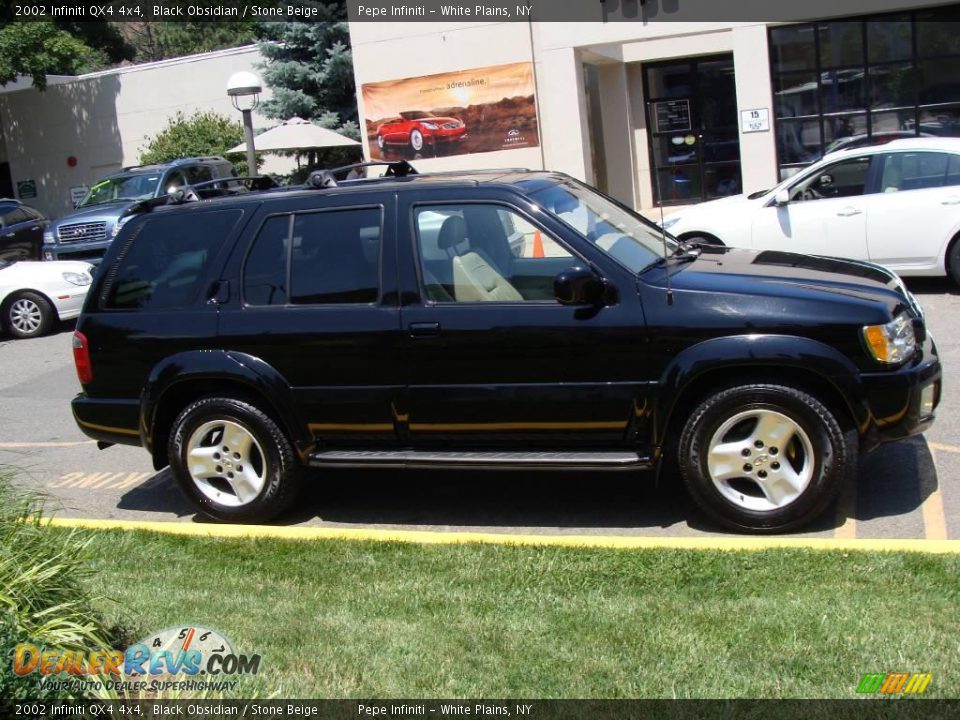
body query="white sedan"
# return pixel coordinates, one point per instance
(33, 295)
(896, 204)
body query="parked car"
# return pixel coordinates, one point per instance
(34, 295)
(21, 230)
(240, 340)
(415, 129)
(896, 204)
(86, 233)
(865, 140)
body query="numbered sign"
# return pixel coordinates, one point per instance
(755, 120)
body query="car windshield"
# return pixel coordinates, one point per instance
(122, 187)
(625, 236)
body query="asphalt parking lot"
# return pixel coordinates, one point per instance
(909, 489)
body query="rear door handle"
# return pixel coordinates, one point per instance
(424, 329)
(849, 212)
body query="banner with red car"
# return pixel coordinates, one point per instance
(457, 113)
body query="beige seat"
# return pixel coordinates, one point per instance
(474, 277)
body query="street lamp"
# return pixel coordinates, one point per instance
(244, 90)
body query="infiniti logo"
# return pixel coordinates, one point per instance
(513, 132)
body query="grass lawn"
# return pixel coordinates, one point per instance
(359, 619)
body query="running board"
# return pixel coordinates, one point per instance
(500, 459)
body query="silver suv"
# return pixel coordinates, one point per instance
(86, 233)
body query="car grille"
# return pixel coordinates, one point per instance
(82, 254)
(83, 232)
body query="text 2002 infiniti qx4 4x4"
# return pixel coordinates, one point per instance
(490, 319)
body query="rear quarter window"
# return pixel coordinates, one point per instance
(165, 260)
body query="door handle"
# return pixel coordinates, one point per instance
(424, 329)
(951, 201)
(849, 212)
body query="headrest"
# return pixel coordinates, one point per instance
(452, 233)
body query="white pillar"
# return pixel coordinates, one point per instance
(563, 113)
(751, 63)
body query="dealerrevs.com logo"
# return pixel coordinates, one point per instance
(180, 658)
(903, 683)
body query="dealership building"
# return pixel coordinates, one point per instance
(655, 110)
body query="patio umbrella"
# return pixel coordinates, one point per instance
(296, 134)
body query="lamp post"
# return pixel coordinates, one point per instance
(244, 90)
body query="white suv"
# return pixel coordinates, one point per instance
(896, 204)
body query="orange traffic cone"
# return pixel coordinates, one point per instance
(537, 244)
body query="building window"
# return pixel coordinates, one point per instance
(855, 82)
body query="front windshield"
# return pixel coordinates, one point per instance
(629, 239)
(122, 187)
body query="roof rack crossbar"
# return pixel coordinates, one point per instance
(187, 193)
(326, 178)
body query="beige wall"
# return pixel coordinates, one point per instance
(103, 118)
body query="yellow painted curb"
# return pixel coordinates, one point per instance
(454, 538)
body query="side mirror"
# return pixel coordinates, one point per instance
(578, 286)
(782, 198)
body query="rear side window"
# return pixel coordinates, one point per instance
(335, 257)
(166, 258)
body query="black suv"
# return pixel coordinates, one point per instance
(490, 319)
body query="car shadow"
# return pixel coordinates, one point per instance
(931, 286)
(893, 481)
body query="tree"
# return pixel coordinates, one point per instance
(309, 70)
(38, 49)
(162, 40)
(203, 133)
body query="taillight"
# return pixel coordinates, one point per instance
(81, 358)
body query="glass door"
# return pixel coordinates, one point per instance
(693, 131)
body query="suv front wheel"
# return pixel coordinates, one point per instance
(763, 458)
(233, 460)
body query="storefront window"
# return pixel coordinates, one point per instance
(857, 81)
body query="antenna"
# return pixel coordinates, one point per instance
(663, 232)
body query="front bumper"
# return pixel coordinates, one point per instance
(88, 252)
(902, 402)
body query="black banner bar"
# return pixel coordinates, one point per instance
(874, 708)
(605, 11)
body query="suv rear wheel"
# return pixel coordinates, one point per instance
(233, 460)
(763, 458)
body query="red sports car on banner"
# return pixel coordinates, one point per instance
(416, 129)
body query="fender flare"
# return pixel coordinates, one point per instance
(763, 352)
(218, 365)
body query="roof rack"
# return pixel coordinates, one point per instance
(187, 193)
(327, 178)
(176, 161)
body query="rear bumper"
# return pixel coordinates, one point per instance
(109, 420)
(902, 402)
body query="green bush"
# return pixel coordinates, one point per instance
(42, 596)
(203, 133)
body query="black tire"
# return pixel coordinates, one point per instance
(271, 456)
(953, 261)
(818, 451)
(28, 315)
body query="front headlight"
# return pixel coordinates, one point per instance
(77, 278)
(893, 342)
(118, 225)
(430, 126)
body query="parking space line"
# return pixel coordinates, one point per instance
(846, 506)
(101, 480)
(943, 447)
(14, 445)
(626, 542)
(934, 518)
